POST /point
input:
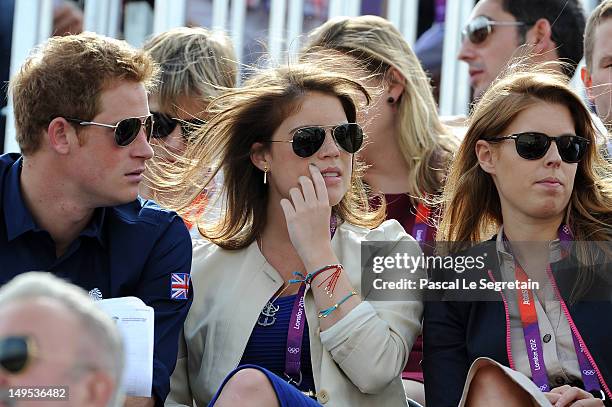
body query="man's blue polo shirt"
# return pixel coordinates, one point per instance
(127, 250)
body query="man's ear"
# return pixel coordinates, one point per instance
(540, 37)
(395, 84)
(485, 156)
(60, 135)
(260, 156)
(588, 81)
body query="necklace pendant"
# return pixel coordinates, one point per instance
(267, 316)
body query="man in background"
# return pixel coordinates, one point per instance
(535, 31)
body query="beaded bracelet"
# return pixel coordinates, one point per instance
(324, 313)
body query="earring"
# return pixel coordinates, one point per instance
(266, 173)
(390, 100)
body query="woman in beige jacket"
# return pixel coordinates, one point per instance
(271, 288)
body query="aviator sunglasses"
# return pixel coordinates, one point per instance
(16, 353)
(534, 145)
(164, 125)
(480, 27)
(126, 130)
(308, 140)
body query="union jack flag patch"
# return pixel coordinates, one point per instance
(179, 287)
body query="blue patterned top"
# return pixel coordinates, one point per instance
(267, 344)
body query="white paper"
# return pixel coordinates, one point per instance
(135, 321)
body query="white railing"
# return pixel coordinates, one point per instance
(404, 15)
(294, 25)
(103, 17)
(169, 14)
(33, 19)
(347, 8)
(138, 22)
(237, 34)
(278, 9)
(32, 25)
(454, 86)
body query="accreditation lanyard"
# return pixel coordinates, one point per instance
(531, 331)
(419, 230)
(295, 333)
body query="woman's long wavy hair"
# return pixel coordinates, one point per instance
(471, 208)
(426, 144)
(248, 115)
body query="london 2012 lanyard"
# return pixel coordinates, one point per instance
(419, 230)
(531, 331)
(295, 333)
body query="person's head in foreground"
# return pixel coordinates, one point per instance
(53, 338)
(534, 31)
(82, 118)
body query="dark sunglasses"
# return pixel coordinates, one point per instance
(308, 140)
(533, 145)
(480, 27)
(164, 125)
(16, 353)
(126, 130)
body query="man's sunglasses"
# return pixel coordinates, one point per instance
(16, 353)
(533, 145)
(164, 125)
(126, 130)
(308, 140)
(480, 27)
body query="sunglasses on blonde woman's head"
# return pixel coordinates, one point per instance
(164, 125)
(481, 27)
(308, 140)
(125, 130)
(16, 353)
(534, 145)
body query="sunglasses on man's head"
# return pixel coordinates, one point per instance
(16, 353)
(534, 145)
(480, 27)
(164, 125)
(126, 130)
(308, 140)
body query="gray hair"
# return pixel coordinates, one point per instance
(101, 336)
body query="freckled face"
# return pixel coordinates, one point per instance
(104, 173)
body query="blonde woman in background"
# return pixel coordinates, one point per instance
(197, 65)
(408, 148)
